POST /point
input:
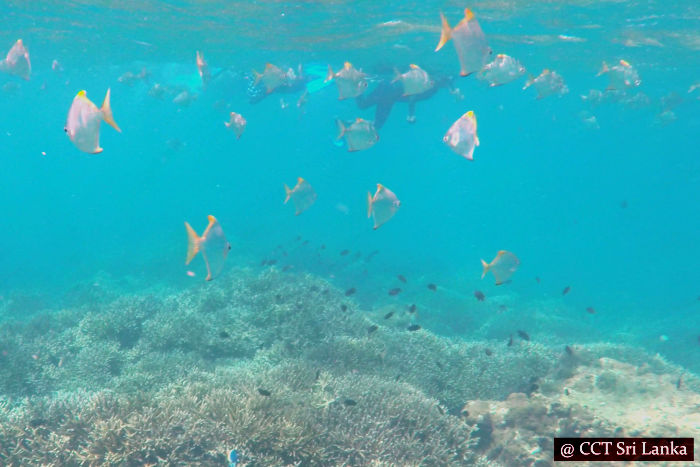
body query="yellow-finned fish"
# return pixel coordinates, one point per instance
(462, 137)
(469, 40)
(350, 81)
(17, 61)
(272, 77)
(83, 122)
(547, 83)
(360, 134)
(503, 69)
(203, 69)
(415, 81)
(302, 195)
(502, 267)
(382, 206)
(212, 244)
(621, 76)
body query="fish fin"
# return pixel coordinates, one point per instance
(258, 77)
(445, 32)
(106, 110)
(413, 66)
(397, 76)
(192, 243)
(625, 63)
(528, 83)
(604, 69)
(369, 204)
(341, 129)
(97, 151)
(288, 192)
(347, 65)
(329, 75)
(484, 265)
(212, 221)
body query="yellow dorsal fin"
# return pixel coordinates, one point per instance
(468, 14)
(414, 66)
(106, 110)
(625, 63)
(300, 180)
(192, 243)
(212, 221)
(445, 32)
(347, 65)
(82, 93)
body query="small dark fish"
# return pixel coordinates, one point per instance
(343, 307)
(537, 279)
(479, 295)
(325, 291)
(510, 341)
(372, 255)
(679, 383)
(224, 335)
(37, 422)
(591, 310)
(278, 297)
(432, 287)
(350, 291)
(569, 350)
(441, 410)
(439, 365)
(412, 308)
(401, 278)
(398, 377)
(263, 262)
(323, 246)
(314, 288)
(287, 267)
(349, 402)
(298, 238)
(271, 262)
(623, 204)
(344, 252)
(358, 255)
(414, 327)
(284, 253)
(372, 328)
(501, 308)
(389, 315)
(318, 374)
(488, 352)
(264, 392)
(305, 242)
(523, 335)
(394, 291)
(566, 290)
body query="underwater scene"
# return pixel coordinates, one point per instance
(346, 233)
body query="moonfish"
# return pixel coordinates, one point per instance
(83, 122)
(382, 206)
(350, 81)
(185, 98)
(272, 77)
(302, 195)
(203, 69)
(462, 136)
(503, 69)
(236, 124)
(503, 266)
(621, 76)
(547, 83)
(469, 40)
(359, 135)
(415, 81)
(17, 61)
(212, 244)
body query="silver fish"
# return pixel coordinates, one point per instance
(359, 135)
(415, 81)
(17, 61)
(469, 40)
(236, 124)
(503, 69)
(83, 122)
(462, 136)
(547, 84)
(350, 81)
(212, 244)
(302, 195)
(621, 76)
(382, 206)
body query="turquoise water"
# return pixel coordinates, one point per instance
(609, 210)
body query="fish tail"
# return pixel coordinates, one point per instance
(288, 191)
(192, 243)
(484, 265)
(329, 75)
(528, 83)
(341, 129)
(106, 110)
(258, 77)
(604, 69)
(369, 204)
(445, 33)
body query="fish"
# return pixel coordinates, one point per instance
(344, 252)
(488, 352)
(502, 70)
(17, 61)
(394, 291)
(343, 307)
(350, 81)
(349, 402)
(469, 41)
(302, 195)
(83, 122)
(590, 310)
(441, 410)
(272, 78)
(184, 99)
(566, 290)
(414, 81)
(212, 244)
(264, 392)
(129, 78)
(412, 308)
(413, 327)
(510, 341)
(523, 335)
(359, 135)
(372, 328)
(569, 350)
(224, 335)
(547, 83)
(479, 295)
(432, 287)
(382, 206)
(401, 278)
(350, 291)
(502, 267)
(621, 76)
(236, 124)
(462, 136)
(203, 69)
(679, 383)
(389, 315)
